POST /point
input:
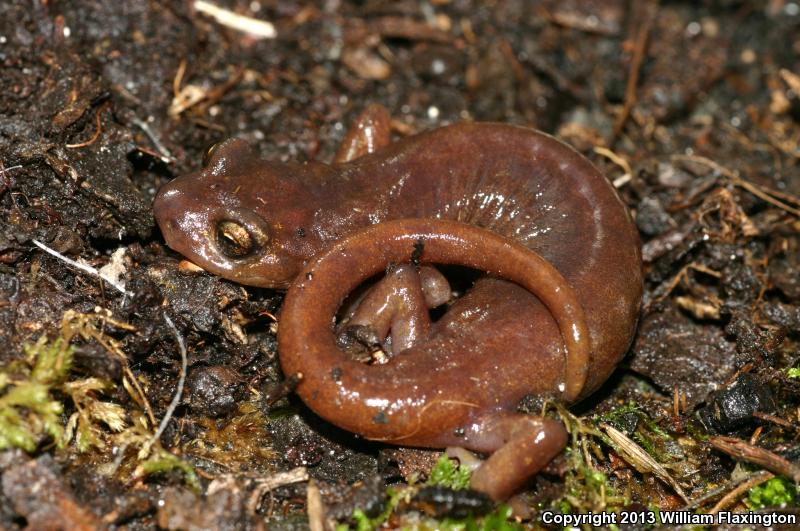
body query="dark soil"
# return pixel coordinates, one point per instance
(691, 108)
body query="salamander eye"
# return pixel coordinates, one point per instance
(234, 240)
(209, 153)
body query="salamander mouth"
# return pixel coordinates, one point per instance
(220, 236)
(225, 244)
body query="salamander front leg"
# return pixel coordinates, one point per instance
(398, 304)
(521, 444)
(370, 132)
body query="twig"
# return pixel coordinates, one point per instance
(264, 485)
(7, 182)
(83, 267)
(175, 399)
(164, 153)
(636, 65)
(713, 493)
(641, 460)
(750, 187)
(315, 507)
(676, 403)
(756, 479)
(772, 418)
(756, 434)
(743, 451)
(98, 129)
(619, 161)
(769, 195)
(192, 95)
(252, 26)
(177, 81)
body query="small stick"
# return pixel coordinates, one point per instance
(766, 194)
(756, 479)
(177, 81)
(676, 409)
(753, 189)
(267, 484)
(710, 495)
(634, 455)
(98, 129)
(175, 399)
(83, 267)
(619, 161)
(741, 450)
(164, 153)
(772, 418)
(315, 507)
(756, 435)
(636, 65)
(257, 28)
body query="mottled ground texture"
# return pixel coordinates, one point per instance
(692, 109)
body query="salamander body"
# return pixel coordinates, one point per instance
(489, 196)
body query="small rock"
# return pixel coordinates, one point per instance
(214, 391)
(674, 351)
(733, 407)
(41, 497)
(651, 218)
(368, 495)
(223, 510)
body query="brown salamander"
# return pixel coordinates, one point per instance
(553, 318)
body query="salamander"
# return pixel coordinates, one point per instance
(553, 315)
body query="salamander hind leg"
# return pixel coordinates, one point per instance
(397, 305)
(521, 445)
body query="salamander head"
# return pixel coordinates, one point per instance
(239, 217)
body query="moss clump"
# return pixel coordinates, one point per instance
(163, 462)
(446, 473)
(773, 493)
(34, 391)
(28, 410)
(403, 514)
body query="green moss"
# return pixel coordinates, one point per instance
(51, 361)
(497, 520)
(773, 493)
(365, 523)
(793, 372)
(586, 487)
(616, 414)
(164, 462)
(446, 473)
(34, 393)
(645, 443)
(28, 411)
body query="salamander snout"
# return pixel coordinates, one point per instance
(168, 207)
(221, 235)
